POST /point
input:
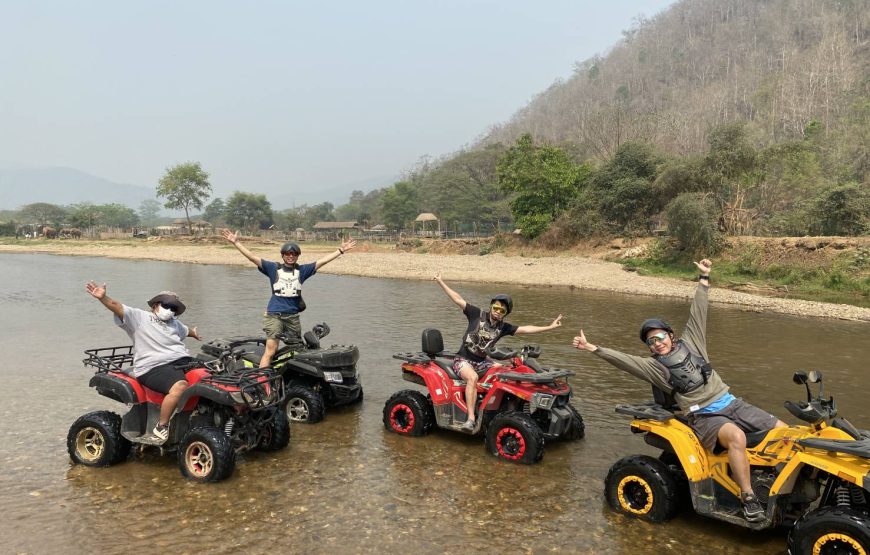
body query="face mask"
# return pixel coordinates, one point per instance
(164, 314)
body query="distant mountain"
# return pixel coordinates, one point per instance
(338, 195)
(63, 186)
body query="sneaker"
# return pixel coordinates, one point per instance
(752, 509)
(161, 432)
(468, 426)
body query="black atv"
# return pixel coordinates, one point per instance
(314, 378)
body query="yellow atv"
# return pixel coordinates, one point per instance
(814, 478)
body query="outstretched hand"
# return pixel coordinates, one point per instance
(230, 236)
(557, 322)
(194, 334)
(580, 342)
(96, 291)
(437, 277)
(704, 266)
(348, 244)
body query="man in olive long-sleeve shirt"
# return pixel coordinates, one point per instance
(681, 367)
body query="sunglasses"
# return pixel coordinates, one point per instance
(656, 338)
(168, 306)
(499, 309)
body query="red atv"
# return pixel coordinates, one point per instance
(523, 403)
(219, 414)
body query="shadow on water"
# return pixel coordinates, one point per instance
(346, 484)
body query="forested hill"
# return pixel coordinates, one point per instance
(786, 66)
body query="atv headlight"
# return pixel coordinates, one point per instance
(541, 401)
(241, 397)
(334, 377)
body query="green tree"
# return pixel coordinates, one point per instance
(399, 204)
(185, 186)
(117, 215)
(623, 187)
(248, 211)
(85, 214)
(844, 210)
(44, 213)
(732, 165)
(543, 180)
(149, 209)
(215, 212)
(692, 221)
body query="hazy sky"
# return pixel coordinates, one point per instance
(273, 97)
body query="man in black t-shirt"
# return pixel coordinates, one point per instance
(485, 328)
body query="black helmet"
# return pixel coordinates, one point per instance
(654, 324)
(290, 246)
(505, 300)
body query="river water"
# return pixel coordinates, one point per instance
(346, 485)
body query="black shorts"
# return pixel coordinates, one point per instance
(162, 378)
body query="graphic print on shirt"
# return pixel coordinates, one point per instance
(483, 336)
(287, 283)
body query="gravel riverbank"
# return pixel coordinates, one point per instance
(561, 271)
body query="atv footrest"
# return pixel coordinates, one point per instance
(648, 411)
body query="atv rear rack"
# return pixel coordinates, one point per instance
(110, 359)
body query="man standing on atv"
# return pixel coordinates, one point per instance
(282, 313)
(680, 367)
(159, 355)
(485, 328)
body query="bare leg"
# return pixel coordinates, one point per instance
(467, 373)
(269, 352)
(732, 438)
(170, 401)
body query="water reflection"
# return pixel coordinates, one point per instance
(346, 484)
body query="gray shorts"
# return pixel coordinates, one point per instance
(275, 323)
(747, 417)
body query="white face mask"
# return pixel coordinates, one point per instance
(164, 314)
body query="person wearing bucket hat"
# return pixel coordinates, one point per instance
(485, 328)
(285, 280)
(680, 367)
(159, 355)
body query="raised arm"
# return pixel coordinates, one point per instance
(454, 296)
(234, 239)
(346, 245)
(696, 328)
(99, 292)
(535, 329)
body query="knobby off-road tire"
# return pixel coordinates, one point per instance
(577, 430)
(831, 530)
(304, 405)
(95, 440)
(409, 413)
(276, 434)
(515, 437)
(206, 454)
(642, 487)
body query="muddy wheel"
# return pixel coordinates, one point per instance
(515, 437)
(95, 440)
(409, 413)
(206, 455)
(276, 434)
(577, 430)
(642, 487)
(831, 530)
(303, 405)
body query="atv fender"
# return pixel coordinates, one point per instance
(852, 467)
(301, 367)
(190, 396)
(119, 387)
(683, 442)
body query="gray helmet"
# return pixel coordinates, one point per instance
(505, 300)
(290, 246)
(654, 324)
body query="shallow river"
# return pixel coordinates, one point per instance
(347, 485)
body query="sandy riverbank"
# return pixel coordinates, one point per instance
(371, 261)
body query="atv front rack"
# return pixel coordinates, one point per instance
(110, 359)
(256, 388)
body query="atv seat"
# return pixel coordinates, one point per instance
(433, 347)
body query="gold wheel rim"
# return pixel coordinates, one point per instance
(198, 459)
(625, 503)
(841, 538)
(90, 444)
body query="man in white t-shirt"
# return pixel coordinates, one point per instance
(159, 355)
